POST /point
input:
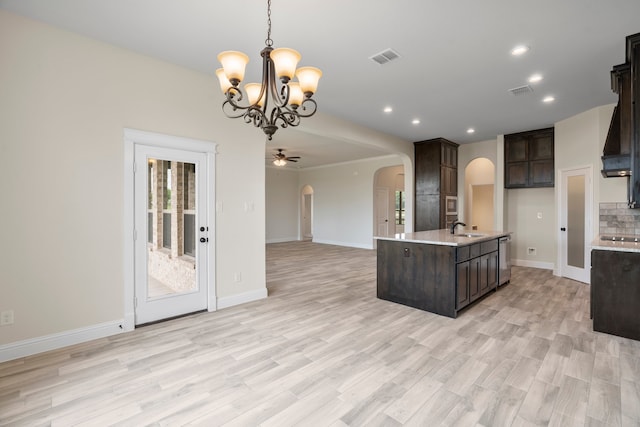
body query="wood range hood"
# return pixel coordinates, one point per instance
(621, 155)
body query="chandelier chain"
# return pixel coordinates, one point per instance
(268, 41)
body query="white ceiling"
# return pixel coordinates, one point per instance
(454, 72)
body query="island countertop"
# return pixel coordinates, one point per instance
(444, 237)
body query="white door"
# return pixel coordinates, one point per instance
(382, 211)
(171, 232)
(307, 232)
(575, 223)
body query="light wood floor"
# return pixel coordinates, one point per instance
(322, 350)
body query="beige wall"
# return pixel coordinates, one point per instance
(283, 200)
(65, 102)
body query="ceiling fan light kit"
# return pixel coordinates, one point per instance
(269, 104)
(280, 159)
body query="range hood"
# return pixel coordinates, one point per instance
(616, 157)
(621, 154)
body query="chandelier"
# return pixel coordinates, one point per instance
(269, 104)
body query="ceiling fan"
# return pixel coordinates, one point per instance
(281, 159)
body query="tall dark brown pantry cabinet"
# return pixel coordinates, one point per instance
(436, 184)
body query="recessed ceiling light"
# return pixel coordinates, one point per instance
(519, 50)
(387, 109)
(535, 78)
(471, 130)
(416, 121)
(548, 99)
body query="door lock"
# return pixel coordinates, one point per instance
(204, 239)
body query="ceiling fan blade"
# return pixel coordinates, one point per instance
(292, 160)
(293, 157)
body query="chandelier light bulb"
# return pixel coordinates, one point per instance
(308, 78)
(285, 61)
(295, 94)
(234, 64)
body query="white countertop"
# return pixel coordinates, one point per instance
(444, 237)
(608, 245)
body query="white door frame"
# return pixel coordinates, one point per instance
(562, 269)
(132, 137)
(384, 204)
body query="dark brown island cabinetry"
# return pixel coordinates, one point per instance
(437, 278)
(615, 292)
(529, 159)
(436, 184)
(476, 271)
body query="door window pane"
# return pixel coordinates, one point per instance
(575, 221)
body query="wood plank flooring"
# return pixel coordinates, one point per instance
(322, 350)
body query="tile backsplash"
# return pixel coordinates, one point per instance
(617, 219)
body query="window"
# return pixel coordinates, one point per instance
(399, 207)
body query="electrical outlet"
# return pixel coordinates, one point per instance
(531, 251)
(6, 318)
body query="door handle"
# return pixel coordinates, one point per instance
(563, 229)
(204, 239)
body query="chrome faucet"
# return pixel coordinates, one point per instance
(456, 223)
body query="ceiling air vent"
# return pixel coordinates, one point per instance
(522, 90)
(385, 56)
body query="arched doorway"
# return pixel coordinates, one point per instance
(389, 201)
(306, 213)
(479, 203)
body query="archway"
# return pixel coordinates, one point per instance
(479, 203)
(389, 214)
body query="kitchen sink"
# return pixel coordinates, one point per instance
(469, 234)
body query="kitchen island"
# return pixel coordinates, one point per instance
(437, 271)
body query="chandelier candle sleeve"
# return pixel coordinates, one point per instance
(277, 101)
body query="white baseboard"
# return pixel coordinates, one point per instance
(283, 240)
(32, 346)
(246, 297)
(533, 264)
(347, 244)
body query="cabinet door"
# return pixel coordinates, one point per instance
(541, 146)
(516, 174)
(449, 179)
(517, 149)
(474, 279)
(489, 272)
(484, 274)
(462, 284)
(541, 173)
(493, 270)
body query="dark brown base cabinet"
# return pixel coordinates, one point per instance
(440, 279)
(476, 271)
(615, 293)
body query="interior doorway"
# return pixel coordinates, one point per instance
(306, 213)
(479, 197)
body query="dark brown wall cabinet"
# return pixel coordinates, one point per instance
(436, 178)
(528, 159)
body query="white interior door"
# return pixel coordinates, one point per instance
(575, 223)
(171, 232)
(307, 232)
(382, 211)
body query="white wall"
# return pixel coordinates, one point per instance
(343, 201)
(282, 198)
